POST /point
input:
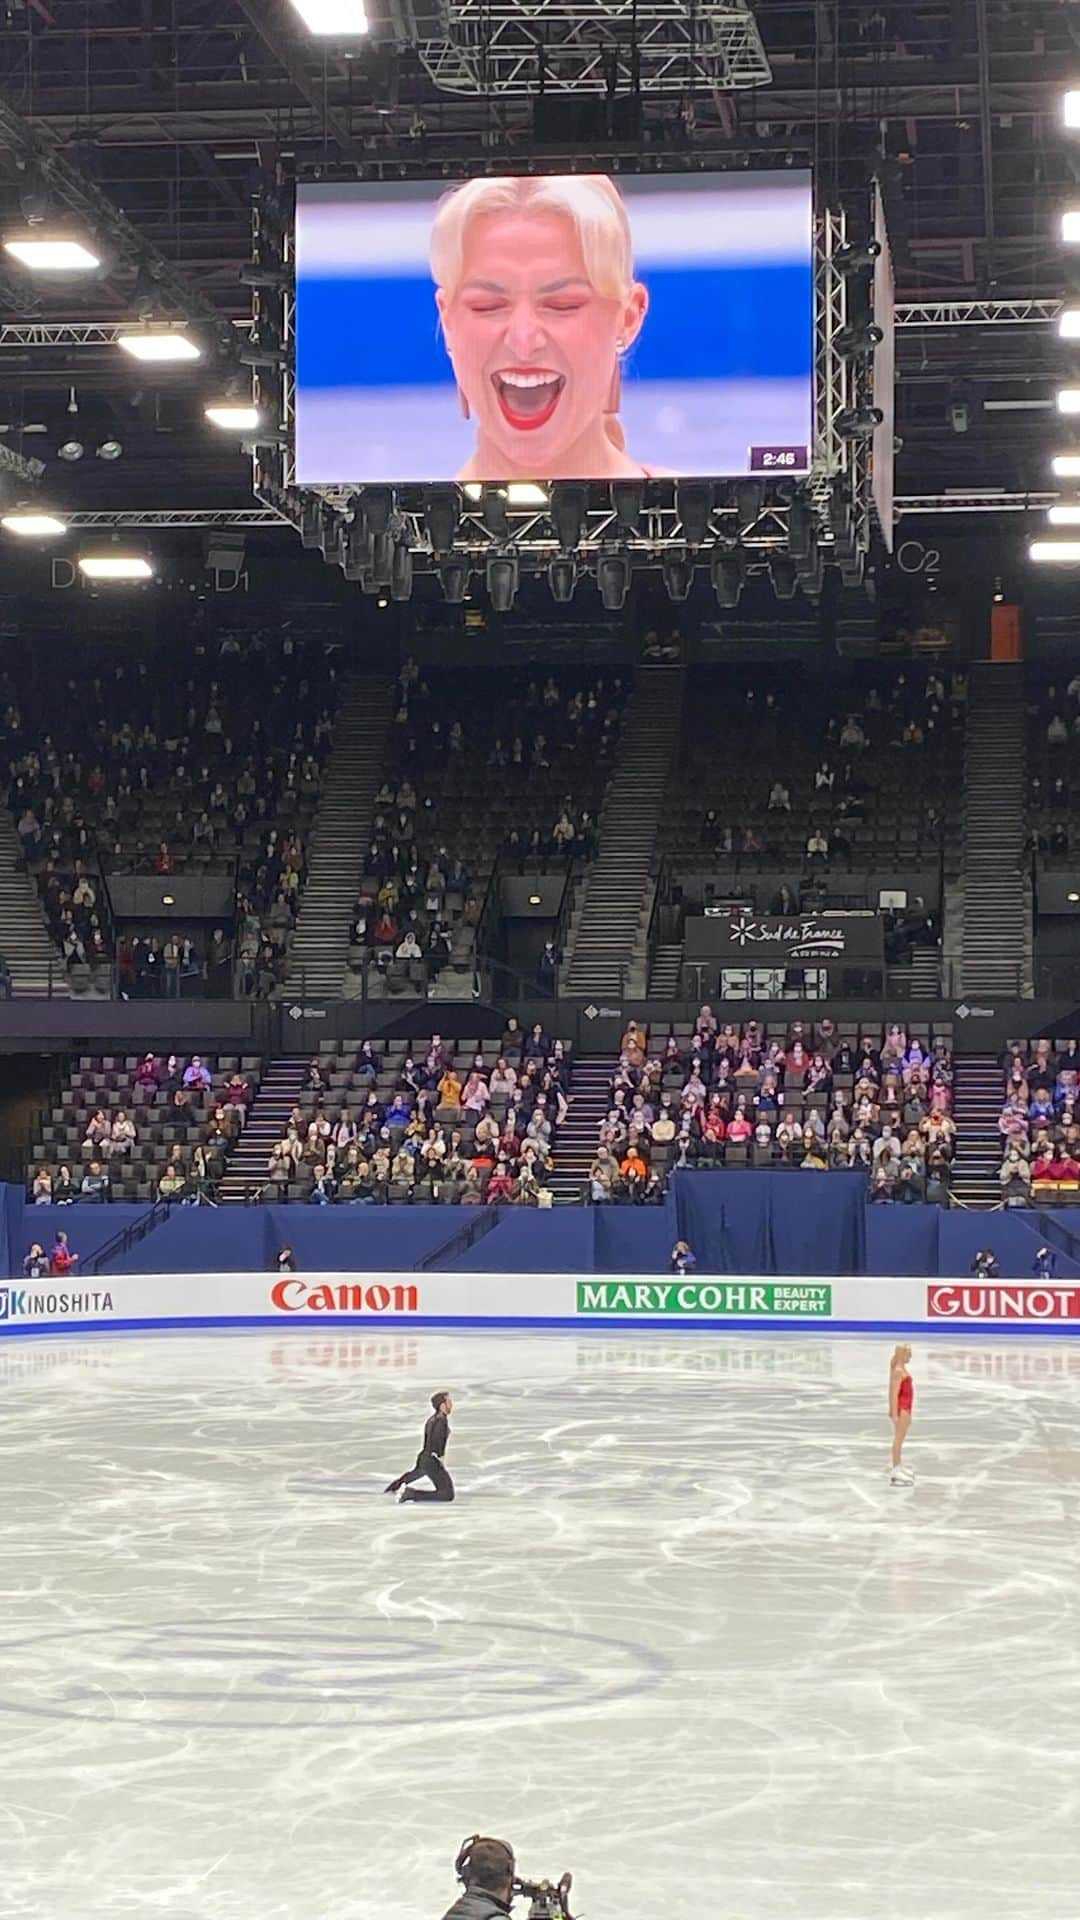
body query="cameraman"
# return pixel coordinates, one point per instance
(486, 1869)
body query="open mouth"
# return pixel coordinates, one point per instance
(528, 396)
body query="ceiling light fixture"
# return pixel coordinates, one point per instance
(33, 526)
(71, 450)
(43, 253)
(160, 344)
(1069, 323)
(1064, 516)
(233, 416)
(116, 566)
(110, 450)
(1070, 226)
(1064, 552)
(1068, 400)
(1066, 466)
(336, 18)
(1070, 109)
(526, 493)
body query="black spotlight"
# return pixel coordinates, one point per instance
(852, 570)
(356, 549)
(839, 505)
(858, 343)
(401, 572)
(728, 574)
(502, 580)
(801, 529)
(454, 573)
(811, 570)
(563, 579)
(442, 515)
(855, 259)
(382, 559)
(693, 505)
(858, 423)
(311, 514)
(330, 535)
(678, 571)
(378, 506)
(783, 576)
(569, 505)
(749, 500)
(613, 580)
(627, 503)
(494, 514)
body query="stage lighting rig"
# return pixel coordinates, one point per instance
(859, 342)
(613, 580)
(693, 508)
(455, 574)
(627, 504)
(563, 575)
(502, 580)
(678, 573)
(442, 517)
(728, 569)
(495, 512)
(378, 508)
(569, 508)
(783, 576)
(401, 572)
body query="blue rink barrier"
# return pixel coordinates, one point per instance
(787, 1224)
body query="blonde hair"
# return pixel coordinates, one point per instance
(591, 200)
(898, 1353)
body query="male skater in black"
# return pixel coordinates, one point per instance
(429, 1460)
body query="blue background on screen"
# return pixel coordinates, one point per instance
(715, 322)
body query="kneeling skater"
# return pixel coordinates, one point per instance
(429, 1460)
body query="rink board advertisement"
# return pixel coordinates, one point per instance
(129, 1302)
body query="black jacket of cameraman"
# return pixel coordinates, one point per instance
(477, 1906)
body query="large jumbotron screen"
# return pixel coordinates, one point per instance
(558, 327)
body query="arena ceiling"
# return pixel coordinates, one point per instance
(177, 112)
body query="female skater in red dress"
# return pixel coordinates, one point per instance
(901, 1402)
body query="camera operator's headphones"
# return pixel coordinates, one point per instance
(465, 1852)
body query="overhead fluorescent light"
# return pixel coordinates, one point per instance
(337, 18)
(1064, 552)
(1068, 400)
(1064, 516)
(116, 566)
(233, 417)
(1070, 107)
(33, 526)
(1016, 406)
(1069, 323)
(159, 344)
(1066, 466)
(43, 253)
(1070, 226)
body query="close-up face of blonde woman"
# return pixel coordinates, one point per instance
(538, 305)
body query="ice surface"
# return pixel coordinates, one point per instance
(677, 1633)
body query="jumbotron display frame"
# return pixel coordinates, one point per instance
(749, 518)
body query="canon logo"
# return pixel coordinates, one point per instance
(291, 1295)
(1003, 1303)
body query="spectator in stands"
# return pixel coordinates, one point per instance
(171, 1183)
(197, 1074)
(64, 1189)
(95, 1185)
(985, 1265)
(61, 1258)
(148, 1074)
(123, 1136)
(41, 1192)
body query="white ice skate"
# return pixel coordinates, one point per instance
(901, 1477)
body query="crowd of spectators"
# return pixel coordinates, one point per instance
(482, 767)
(1039, 1123)
(156, 1128)
(442, 1125)
(209, 762)
(815, 776)
(815, 1098)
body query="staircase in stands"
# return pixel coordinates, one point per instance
(665, 972)
(247, 1167)
(996, 944)
(575, 1149)
(25, 939)
(606, 948)
(978, 1094)
(339, 839)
